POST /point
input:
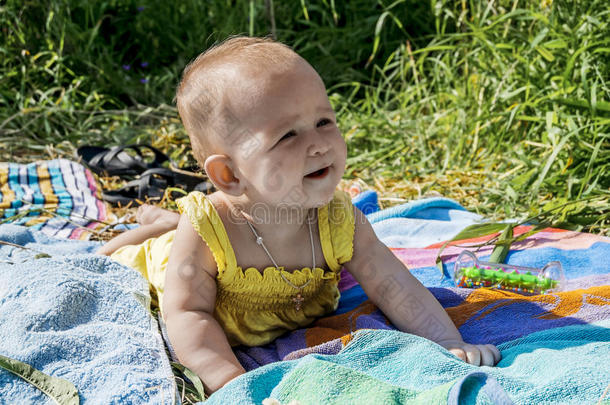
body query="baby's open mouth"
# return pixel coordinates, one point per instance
(318, 173)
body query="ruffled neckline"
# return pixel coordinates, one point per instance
(270, 272)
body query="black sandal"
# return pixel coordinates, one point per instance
(151, 185)
(116, 161)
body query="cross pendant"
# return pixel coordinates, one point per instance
(298, 300)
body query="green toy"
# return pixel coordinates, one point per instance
(470, 272)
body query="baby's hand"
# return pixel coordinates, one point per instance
(478, 355)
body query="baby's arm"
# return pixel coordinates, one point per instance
(188, 305)
(404, 300)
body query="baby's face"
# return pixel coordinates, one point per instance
(288, 147)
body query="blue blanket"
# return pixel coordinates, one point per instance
(417, 223)
(79, 317)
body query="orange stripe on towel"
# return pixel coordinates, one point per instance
(44, 182)
(8, 195)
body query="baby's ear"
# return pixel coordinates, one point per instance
(220, 170)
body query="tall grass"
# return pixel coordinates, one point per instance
(503, 105)
(519, 94)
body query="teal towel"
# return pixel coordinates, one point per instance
(561, 365)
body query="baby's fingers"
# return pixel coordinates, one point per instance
(490, 355)
(487, 356)
(477, 355)
(461, 354)
(468, 353)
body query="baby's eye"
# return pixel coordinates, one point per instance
(323, 121)
(288, 135)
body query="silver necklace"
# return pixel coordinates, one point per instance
(298, 299)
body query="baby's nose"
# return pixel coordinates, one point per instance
(318, 146)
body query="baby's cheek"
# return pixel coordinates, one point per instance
(273, 180)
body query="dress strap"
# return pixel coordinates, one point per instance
(336, 225)
(206, 221)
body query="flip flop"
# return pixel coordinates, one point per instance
(116, 161)
(180, 178)
(151, 185)
(135, 192)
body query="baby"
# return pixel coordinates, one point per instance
(261, 125)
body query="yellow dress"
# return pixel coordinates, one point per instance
(253, 308)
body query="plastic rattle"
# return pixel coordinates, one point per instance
(470, 272)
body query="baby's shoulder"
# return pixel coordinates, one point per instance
(190, 248)
(206, 211)
(339, 212)
(202, 228)
(198, 200)
(336, 225)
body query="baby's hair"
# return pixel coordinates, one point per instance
(200, 94)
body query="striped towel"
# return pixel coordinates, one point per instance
(58, 197)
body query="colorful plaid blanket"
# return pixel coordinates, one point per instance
(58, 197)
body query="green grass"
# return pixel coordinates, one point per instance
(504, 106)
